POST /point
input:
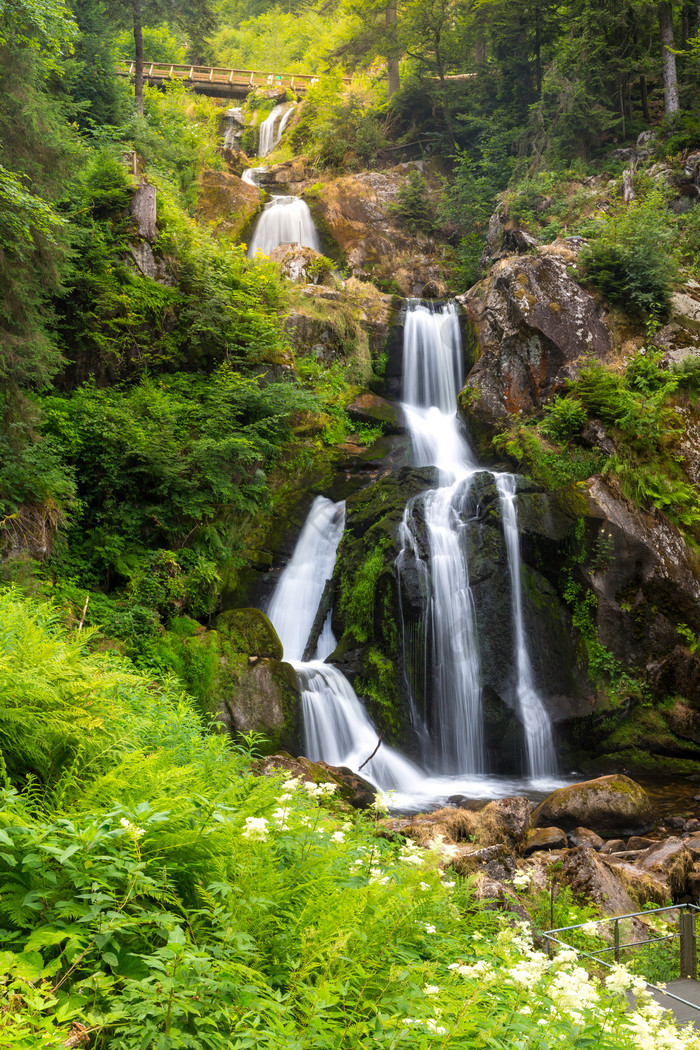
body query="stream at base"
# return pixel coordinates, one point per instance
(337, 729)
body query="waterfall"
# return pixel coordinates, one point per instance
(337, 728)
(538, 730)
(285, 220)
(250, 175)
(433, 375)
(295, 601)
(268, 140)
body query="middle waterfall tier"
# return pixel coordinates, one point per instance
(284, 220)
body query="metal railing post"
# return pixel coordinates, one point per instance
(689, 951)
(617, 940)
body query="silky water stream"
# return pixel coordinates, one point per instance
(337, 728)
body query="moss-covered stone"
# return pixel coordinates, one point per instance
(249, 631)
(611, 805)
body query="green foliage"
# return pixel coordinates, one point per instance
(565, 417)
(631, 259)
(335, 123)
(412, 204)
(166, 463)
(357, 594)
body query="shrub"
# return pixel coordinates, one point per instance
(565, 417)
(412, 205)
(631, 259)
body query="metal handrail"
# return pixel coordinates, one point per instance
(687, 937)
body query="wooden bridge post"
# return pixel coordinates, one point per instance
(689, 951)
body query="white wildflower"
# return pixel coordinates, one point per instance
(281, 818)
(255, 828)
(424, 885)
(521, 880)
(435, 1028)
(590, 929)
(449, 885)
(431, 989)
(429, 928)
(338, 836)
(619, 979)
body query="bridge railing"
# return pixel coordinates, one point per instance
(220, 75)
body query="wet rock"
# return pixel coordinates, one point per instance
(586, 837)
(494, 895)
(533, 324)
(250, 632)
(639, 842)
(609, 804)
(226, 201)
(370, 408)
(545, 839)
(591, 879)
(613, 846)
(669, 860)
(301, 264)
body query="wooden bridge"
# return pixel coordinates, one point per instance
(219, 81)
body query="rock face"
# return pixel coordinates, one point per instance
(532, 325)
(262, 698)
(226, 201)
(355, 212)
(609, 804)
(298, 263)
(371, 408)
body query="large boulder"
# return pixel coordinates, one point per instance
(533, 325)
(226, 201)
(592, 879)
(260, 698)
(250, 632)
(610, 805)
(351, 788)
(670, 861)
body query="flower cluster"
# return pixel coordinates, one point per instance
(323, 790)
(132, 828)
(255, 828)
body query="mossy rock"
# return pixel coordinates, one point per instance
(249, 631)
(611, 805)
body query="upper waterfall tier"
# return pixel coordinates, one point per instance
(273, 126)
(285, 220)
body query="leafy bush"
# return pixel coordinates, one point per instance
(334, 124)
(565, 416)
(631, 259)
(412, 204)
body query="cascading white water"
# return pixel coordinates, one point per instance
(538, 730)
(433, 374)
(432, 379)
(336, 726)
(285, 220)
(268, 138)
(298, 593)
(250, 175)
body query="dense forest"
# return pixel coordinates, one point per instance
(520, 180)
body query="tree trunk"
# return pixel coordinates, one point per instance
(392, 58)
(645, 98)
(138, 56)
(668, 59)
